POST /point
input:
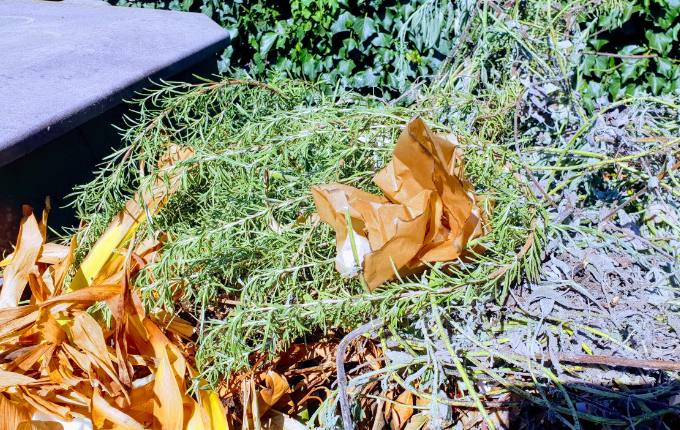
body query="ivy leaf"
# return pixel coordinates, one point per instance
(349, 45)
(629, 70)
(629, 9)
(345, 67)
(664, 66)
(259, 64)
(343, 23)
(588, 63)
(225, 60)
(207, 10)
(672, 9)
(388, 56)
(606, 21)
(614, 85)
(232, 31)
(674, 75)
(186, 4)
(366, 78)
(364, 28)
(598, 43)
(175, 5)
(674, 87)
(310, 65)
(594, 90)
(382, 39)
(267, 42)
(407, 10)
(388, 18)
(394, 81)
(444, 46)
(631, 49)
(281, 27)
(659, 41)
(656, 83)
(284, 63)
(600, 65)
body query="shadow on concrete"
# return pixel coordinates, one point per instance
(69, 160)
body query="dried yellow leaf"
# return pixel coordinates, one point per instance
(15, 276)
(167, 411)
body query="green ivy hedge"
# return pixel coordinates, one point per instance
(369, 45)
(644, 42)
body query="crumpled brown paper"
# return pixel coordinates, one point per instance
(429, 212)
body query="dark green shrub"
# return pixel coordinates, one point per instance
(358, 44)
(645, 28)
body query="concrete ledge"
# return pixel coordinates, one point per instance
(63, 63)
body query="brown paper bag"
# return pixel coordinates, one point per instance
(429, 212)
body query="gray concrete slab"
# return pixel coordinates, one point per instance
(63, 63)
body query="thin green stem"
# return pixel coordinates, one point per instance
(459, 366)
(350, 233)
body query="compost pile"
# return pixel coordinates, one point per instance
(487, 251)
(63, 364)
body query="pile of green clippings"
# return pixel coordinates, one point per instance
(570, 316)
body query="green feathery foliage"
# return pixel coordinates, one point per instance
(575, 201)
(240, 226)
